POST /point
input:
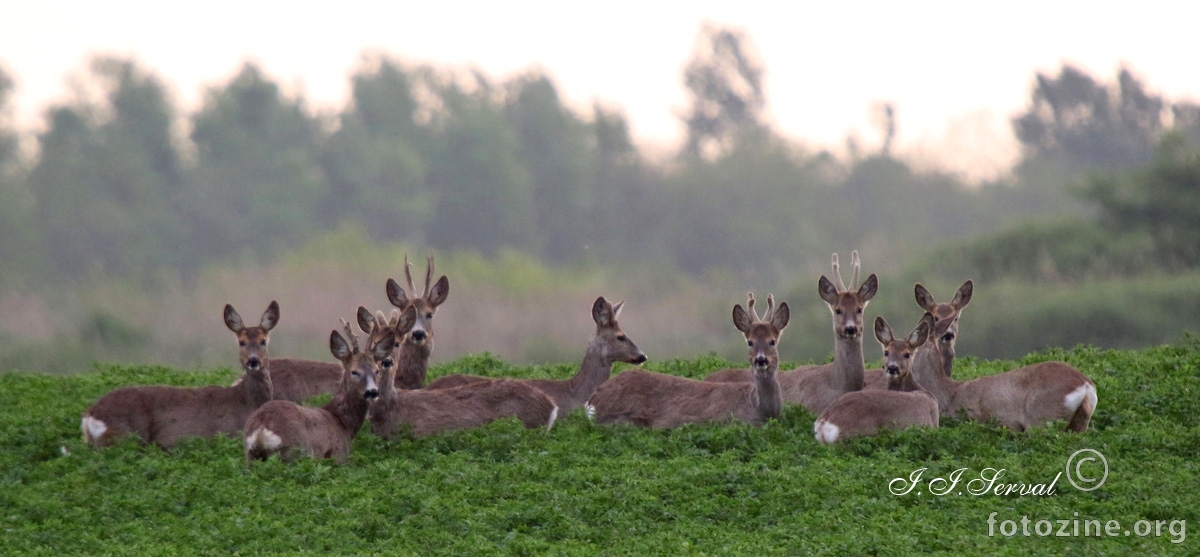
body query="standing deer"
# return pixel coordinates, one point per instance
(940, 351)
(413, 358)
(608, 345)
(164, 416)
(903, 404)
(285, 428)
(816, 387)
(660, 401)
(1018, 399)
(427, 411)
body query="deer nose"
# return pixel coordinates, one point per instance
(761, 361)
(371, 394)
(418, 336)
(893, 369)
(253, 362)
(641, 358)
(851, 331)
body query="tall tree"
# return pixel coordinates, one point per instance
(258, 183)
(724, 83)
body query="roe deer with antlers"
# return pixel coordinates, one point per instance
(660, 401)
(428, 411)
(608, 345)
(940, 351)
(816, 387)
(903, 404)
(413, 358)
(285, 428)
(164, 416)
(1018, 399)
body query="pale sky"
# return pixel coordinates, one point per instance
(956, 71)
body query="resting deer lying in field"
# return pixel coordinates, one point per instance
(285, 428)
(945, 318)
(660, 401)
(413, 358)
(428, 411)
(164, 416)
(608, 345)
(903, 404)
(1018, 399)
(816, 387)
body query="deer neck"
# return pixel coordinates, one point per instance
(596, 369)
(770, 397)
(904, 384)
(257, 387)
(927, 369)
(848, 362)
(412, 365)
(349, 410)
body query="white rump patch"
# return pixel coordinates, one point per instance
(263, 438)
(1087, 392)
(827, 432)
(553, 416)
(93, 429)
(591, 411)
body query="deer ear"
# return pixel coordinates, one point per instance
(602, 312)
(781, 317)
(963, 296)
(366, 321)
(924, 298)
(919, 335)
(440, 290)
(406, 320)
(396, 294)
(868, 288)
(270, 318)
(827, 290)
(741, 319)
(233, 320)
(883, 333)
(384, 347)
(338, 347)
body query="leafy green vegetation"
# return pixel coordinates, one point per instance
(586, 489)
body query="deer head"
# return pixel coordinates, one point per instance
(426, 305)
(376, 326)
(845, 304)
(762, 333)
(252, 341)
(614, 344)
(898, 353)
(945, 316)
(359, 367)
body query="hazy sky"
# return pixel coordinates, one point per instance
(956, 71)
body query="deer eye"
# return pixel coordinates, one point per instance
(429, 315)
(906, 355)
(838, 311)
(860, 311)
(262, 342)
(772, 343)
(885, 353)
(750, 343)
(241, 343)
(622, 338)
(356, 373)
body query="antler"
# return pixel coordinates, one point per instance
(428, 275)
(770, 308)
(750, 307)
(857, 265)
(350, 336)
(837, 273)
(408, 274)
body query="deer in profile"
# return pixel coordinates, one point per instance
(940, 351)
(424, 412)
(285, 428)
(903, 404)
(816, 387)
(1018, 399)
(164, 416)
(661, 401)
(608, 345)
(413, 357)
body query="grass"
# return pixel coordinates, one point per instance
(586, 489)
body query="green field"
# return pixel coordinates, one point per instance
(586, 489)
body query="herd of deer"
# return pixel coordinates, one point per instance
(380, 382)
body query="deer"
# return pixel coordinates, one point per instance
(816, 387)
(413, 357)
(426, 412)
(659, 401)
(164, 415)
(1017, 399)
(290, 430)
(945, 317)
(903, 404)
(607, 346)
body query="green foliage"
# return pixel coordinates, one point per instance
(583, 488)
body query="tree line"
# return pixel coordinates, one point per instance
(126, 183)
